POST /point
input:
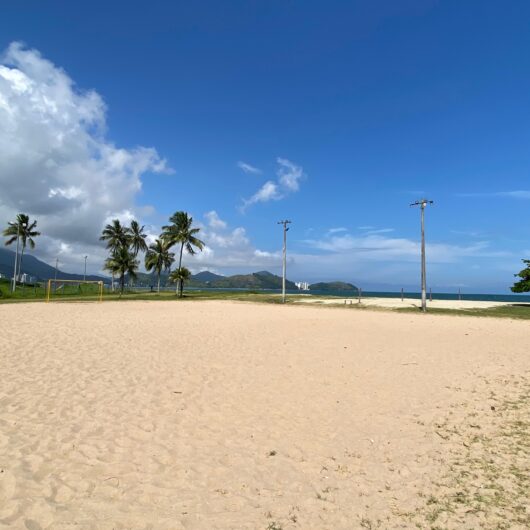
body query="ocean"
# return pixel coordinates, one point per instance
(513, 298)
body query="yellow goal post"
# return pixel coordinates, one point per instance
(61, 284)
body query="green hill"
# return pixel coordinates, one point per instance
(35, 267)
(333, 286)
(256, 280)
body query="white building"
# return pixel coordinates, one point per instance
(302, 286)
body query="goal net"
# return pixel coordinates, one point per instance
(72, 289)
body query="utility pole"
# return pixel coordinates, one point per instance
(285, 229)
(84, 276)
(422, 203)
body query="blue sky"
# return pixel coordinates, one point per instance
(348, 110)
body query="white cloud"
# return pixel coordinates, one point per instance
(337, 230)
(379, 231)
(247, 168)
(214, 220)
(516, 194)
(289, 176)
(381, 248)
(56, 163)
(269, 191)
(229, 248)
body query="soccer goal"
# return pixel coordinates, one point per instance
(71, 289)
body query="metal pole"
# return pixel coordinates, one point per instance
(56, 267)
(84, 276)
(16, 260)
(423, 275)
(284, 263)
(422, 203)
(402, 294)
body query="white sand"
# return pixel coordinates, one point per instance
(206, 415)
(395, 303)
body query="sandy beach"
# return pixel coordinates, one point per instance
(396, 303)
(226, 415)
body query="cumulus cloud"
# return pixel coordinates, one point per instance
(214, 221)
(230, 248)
(247, 168)
(288, 180)
(56, 162)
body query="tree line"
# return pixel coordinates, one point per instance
(126, 242)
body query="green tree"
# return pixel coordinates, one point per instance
(122, 262)
(179, 276)
(117, 236)
(523, 285)
(25, 231)
(158, 259)
(137, 238)
(181, 232)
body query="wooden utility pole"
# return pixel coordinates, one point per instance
(422, 203)
(285, 229)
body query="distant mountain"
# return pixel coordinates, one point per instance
(207, 276)
(35, 267)
(256, 280)
(202, 279)
(333, 286)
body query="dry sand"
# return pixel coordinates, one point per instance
(394, 303)
(206, 415)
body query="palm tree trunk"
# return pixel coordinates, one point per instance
(20, 261)
(158, 283)
(179, 288)
(122, 282)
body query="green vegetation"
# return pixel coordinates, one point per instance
(256, 280)
(333, 286)
(181, 232)
(519, 311)
(123, 244)
(158, 259)
(70, 292)
(486, 482)
(523, 285)
(22, 231)
(179, 276)
(37, 292)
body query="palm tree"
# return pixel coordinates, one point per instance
(122, 262)
(181, 231)
(158, 259)
(24, 231)
(179, 277)
(116, 235)
(137, 238)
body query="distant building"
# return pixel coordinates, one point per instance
(26, 278)
(302, 286)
